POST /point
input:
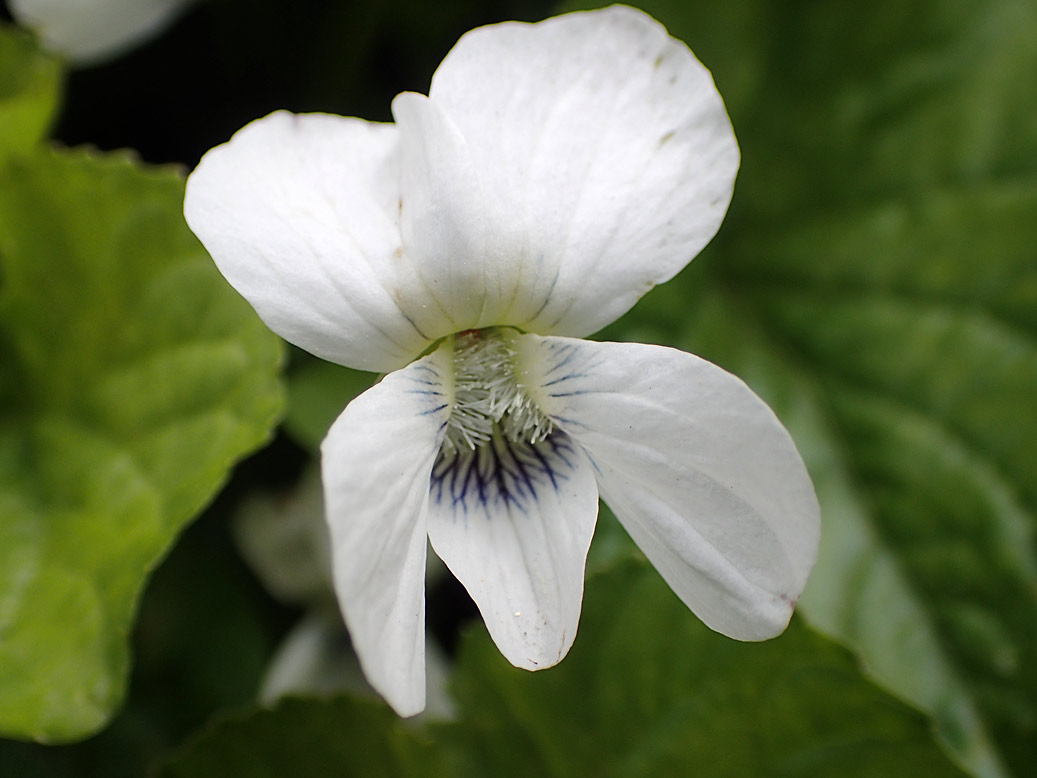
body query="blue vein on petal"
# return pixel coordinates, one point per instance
(567, 352)
(563, 354)
(436, 382)
(564, 378)
(502, 475)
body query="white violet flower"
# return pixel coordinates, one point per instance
(87, 32)
(554, 174)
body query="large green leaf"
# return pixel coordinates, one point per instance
(646, 691)
(30, 82)
(876, 281)
(309, 739)
(132, 379)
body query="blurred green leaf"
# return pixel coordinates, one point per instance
(309, 738)
(318, 392)
(132, 380)
(178, 680)
(30, 84)
(619, 705)
(876, 281)
(648, 690)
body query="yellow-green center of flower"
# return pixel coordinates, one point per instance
(489, 396)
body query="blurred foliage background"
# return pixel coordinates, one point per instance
(876, 282)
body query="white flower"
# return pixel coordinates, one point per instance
(556, 172)
(90, 31)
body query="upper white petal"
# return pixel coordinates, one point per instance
(513, 522)
(447, 240)
(695, 466)
(89, 31)
(604, 156)
(376, 463)
(299, 213)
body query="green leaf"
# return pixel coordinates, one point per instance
(876, 281)
(648, 690)
(621, 704)
(304, 738)
(861, 587)
(318, 391)
(30, 85)
(133, 378)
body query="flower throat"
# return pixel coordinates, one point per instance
(489, 397)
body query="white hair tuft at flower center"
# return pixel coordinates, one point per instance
(489, 399)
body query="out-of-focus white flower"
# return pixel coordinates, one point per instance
(90, 31)
(285, 541)
(554, 174)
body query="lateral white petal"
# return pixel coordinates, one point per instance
(604, 155)
(513, 522)
(91, 31)
(299, 214)
(696, 467)
(376, 463)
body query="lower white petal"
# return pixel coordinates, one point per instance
(376, 463)
(513, 522)
(696, 467)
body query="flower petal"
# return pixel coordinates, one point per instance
(513, 522)
(91, 32)
(376, 462)
(696, 467)
(604, 155)
(443, 283)
(299, 214)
